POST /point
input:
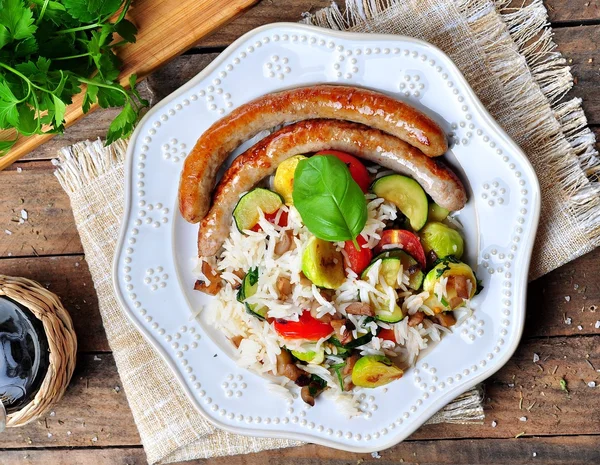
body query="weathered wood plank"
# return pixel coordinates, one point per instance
(265, 12)
(572, 11)
(574, 450)
(94, 412)
(93, 409)
(49, 228)
(580, 48)
(566, 301)
(69, 278)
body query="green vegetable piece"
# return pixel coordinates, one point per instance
(437, 213)
(246, 211)
(373, 371)
(442, 240)
(461, 284)
(354, 343)
(331, 204)
(248, 289)
(406, 194)
(409, 264)
(310, 356)
(323, 264)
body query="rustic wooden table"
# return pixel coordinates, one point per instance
(93, 423)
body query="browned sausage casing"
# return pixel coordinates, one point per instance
(263, 158)
(322, 101)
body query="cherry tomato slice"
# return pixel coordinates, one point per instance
(387, 334)
(357, 170)
(358, 260)
(306, 327)
(270, 217)
(405, 240)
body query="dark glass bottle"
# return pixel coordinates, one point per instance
(24, 356)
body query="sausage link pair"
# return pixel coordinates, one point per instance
(321, 101)
(370, 144)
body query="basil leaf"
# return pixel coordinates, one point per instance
(331, 204)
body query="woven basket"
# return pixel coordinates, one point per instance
(62, 344)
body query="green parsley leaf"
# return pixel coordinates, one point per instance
(127, 30)
(122, 124)
(6, 145)
(17, 21)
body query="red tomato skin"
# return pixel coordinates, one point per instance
(358, 260)
(270, 217)
(306, 327)
(406, 240)
(357, 170)
(387, 334)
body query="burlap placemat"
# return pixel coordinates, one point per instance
(505, 54)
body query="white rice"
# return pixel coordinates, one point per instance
(261, 344)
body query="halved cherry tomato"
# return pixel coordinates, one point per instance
(306, 327)
(358, 260)
(357, 170)
(270, 217)
(405, 240)
(387, 334)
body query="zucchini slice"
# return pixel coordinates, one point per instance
(246, 211)
(248, 289)
(406, 194)
(354, 343)
(416, 275)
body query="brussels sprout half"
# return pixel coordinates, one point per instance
(442, 240)
(461, 285)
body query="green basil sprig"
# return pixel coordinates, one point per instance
(331, 204)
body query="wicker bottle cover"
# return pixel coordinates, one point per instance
(62, 344)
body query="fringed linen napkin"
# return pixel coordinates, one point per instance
(507, 57)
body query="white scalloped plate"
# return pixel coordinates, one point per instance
(152, 269)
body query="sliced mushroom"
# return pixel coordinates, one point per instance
(237, 340)
(214, 283)
(416, 318)
(285, 243)
(286, 366)
(306, 396)
(284, 287)
(445, 319)
(360, 308)
(342, 330)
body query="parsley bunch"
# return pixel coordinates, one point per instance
(48, 50)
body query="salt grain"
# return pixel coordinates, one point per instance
(49, 435)
(523, 418)
(24, 214)
(96, 358)
(69, 433)
(375, 455)
(52, 413)
(535, 454)
(536, 358)
(579, 327)
(8, 232)
(568, 298)
(494, 424)
(592, 384)
(95, 439)
(597, 325)
(568, 320)
(19, 170)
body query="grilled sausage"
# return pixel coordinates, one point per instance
(262, 159)
(323, 101)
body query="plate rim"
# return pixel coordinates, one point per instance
(440, 402)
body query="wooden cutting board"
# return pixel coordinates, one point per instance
(166, 28)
